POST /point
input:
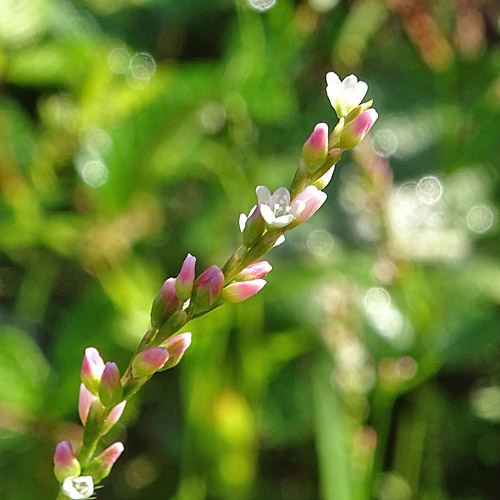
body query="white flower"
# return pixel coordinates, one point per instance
(344, 95)
(276, 209)
(78, 488)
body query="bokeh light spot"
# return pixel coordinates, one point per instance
(142, 66)
(479, 219)
(429, 190)
(261, 5)
(377, 300)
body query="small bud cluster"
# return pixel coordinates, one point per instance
(103, 392)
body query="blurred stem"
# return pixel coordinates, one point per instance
(383, 403)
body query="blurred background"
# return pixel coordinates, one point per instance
(135, 131)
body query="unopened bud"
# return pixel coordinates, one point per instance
(184, 282)
(176, 347)
(208, 288)
(65, 462)
(92, 368)
(354, 132)
(110, 387)
(165, 303)
(113, 416)
(255, 271)
(149, 361)
(325, 179)
(312, 199)
(101, 466)
(85, 400)
(242, 290)
(315, 149)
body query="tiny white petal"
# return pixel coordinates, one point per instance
(360, 91)
(333, 79)
(267, 214)
(263, 194)
(281, 195)
(78, 488)
(279, 241)
(283, 220)
(242, 221)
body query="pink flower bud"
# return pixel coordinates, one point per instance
(315, 148)
(176, 347)
(184, 282)
(113, 417)
(354, 132)
(209, 286)
(325, 179)
(255, 271)
(92, 368)
(149, 361)
(240, 291)
(85, 400)
(165, 303)
(110, 387)
(101, 466)
(65, 462)
(312, 198)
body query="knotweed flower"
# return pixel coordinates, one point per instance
(242, 290)
(65, 462)
(255, 271)
(78, 488)
(176, 347)
(92, 368)
(165, 303)
(354, 132)
(276, 209)
(110, 387)
(85, 400)
(184, 282)
(101, 466)
(344, 95)
(149, 361)
(311, 200)
(315, 149)
(325, 179)
(208, 287)
(113, 416)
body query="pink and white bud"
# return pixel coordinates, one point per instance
(165, 303)
(92, 368)
(354, 132)
(315, 149)
(208, 287)
(238, 292)
(255, 271)
(149, 361)
(312, 199)
(184, 282)
(65, 462)
(325, 179)
(176, 347)
(113, 417)
(101, 466)
(110, 387)
(85, 400)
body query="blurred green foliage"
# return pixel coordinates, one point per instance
(135, 131)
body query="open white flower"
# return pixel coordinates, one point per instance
(78, 488)
(344, 95)
(276, 209)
